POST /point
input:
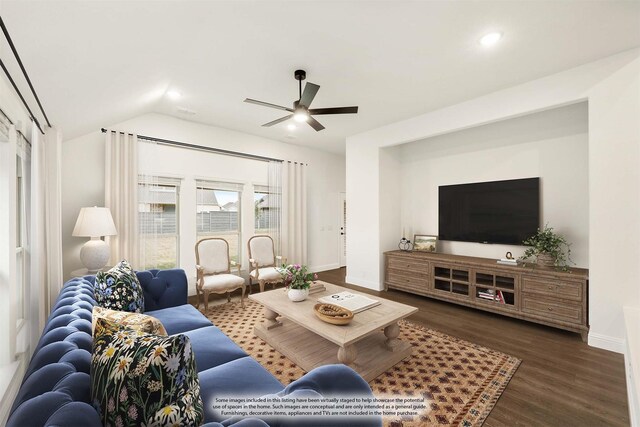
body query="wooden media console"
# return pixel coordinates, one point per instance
(543, 295)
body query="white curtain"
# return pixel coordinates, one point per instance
(121, 195)
(294, 212)
(46, 221)
(274, 212)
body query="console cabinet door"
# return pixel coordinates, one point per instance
(497, 289)
(451, 280)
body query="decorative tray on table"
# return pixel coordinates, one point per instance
(333, 314)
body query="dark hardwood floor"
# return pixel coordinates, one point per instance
(561, 381)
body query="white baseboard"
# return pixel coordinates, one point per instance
(632, 362)
(370, 284)
(632, 392)
(606, 342)
(319, 268)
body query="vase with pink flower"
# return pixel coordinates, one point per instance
(297, 281)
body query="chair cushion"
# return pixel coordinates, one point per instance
(177, 320)
(212, 347)
(261, 250)
(267, 273)
(222, 282)
(138, 321)
(241, 377)
(212, 254)
(141, 378)
(119, 289)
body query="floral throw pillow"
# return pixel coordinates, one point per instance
(143, 379)
(138, 321)
(119, 289)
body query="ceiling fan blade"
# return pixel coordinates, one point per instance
(335, 110)
(308, 94)
(280, 120)
(266, 104)
(315, 124)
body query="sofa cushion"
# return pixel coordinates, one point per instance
(213, 348)
(183, 318)
(143, 378)
(119, 289)
(240, 377)
(163, 288)
(138, 321)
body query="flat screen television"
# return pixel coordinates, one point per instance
(505, 212)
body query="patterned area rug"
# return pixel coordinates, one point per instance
(460, 381)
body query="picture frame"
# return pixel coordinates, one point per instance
(425, 243)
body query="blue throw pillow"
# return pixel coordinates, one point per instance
(144, 379)
(119, 289)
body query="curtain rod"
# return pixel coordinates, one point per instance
(20, 95)
(199, 147)
(24, 71)
(17, 130)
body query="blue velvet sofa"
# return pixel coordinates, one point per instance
(56, 386)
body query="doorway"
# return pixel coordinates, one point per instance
(343, 229)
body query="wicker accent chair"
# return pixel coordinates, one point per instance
(263, 262)
(214, 271)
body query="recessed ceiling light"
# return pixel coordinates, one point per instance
(490, 39)
(173, 94)
(291, 126)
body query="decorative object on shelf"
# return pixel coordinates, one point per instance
(333, 314)
(94, 222)
(405, 245)
(425, 243)
(508, 259)
(550, 249)
(297, 281)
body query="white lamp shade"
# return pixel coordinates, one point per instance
(94, 222)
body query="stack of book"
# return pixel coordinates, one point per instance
(316, 287)
(508, 261)
(490, 294)
(352, 302)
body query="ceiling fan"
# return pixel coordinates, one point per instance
(301, 111)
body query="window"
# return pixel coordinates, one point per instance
(218, 213)
(21, 276)
(267, 213)
(158, 223)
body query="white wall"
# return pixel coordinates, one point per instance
(551, 145)
(610, 85)
(614, 203)
(83, 178)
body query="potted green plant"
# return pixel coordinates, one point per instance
(549, 248)
(297, 280)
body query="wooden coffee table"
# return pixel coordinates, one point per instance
(369, 344)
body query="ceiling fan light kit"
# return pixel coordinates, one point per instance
(301, 116)
(301, 112)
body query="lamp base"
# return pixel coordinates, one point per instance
(95, 254)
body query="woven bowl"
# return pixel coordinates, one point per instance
(333, 314)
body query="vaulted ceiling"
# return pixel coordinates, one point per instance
(95, 63)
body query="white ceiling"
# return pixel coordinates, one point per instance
(96, 63)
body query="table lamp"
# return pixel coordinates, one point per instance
(94, 222)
